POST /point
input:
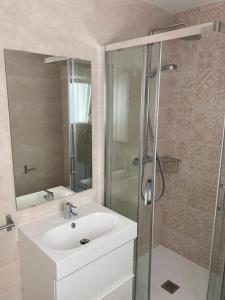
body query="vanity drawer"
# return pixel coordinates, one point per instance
(97, 277)
(122, 292)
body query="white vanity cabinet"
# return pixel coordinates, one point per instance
(106, 278)
(101, 270)
(109, 277)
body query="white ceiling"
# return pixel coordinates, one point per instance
(174, 6)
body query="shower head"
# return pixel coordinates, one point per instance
(169, 67)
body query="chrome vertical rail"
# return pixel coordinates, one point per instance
(155, 139)
(142, 123)
(168, 35)
(72, 134)
(108, 133)
(69, 97)
(140, 165)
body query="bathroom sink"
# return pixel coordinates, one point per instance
(79, 232)
(63, 246)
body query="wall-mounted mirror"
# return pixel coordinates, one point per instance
(51, 127)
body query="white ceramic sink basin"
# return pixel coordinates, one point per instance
(86, 230)
(55, 244)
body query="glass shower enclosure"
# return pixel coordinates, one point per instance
(164, 133)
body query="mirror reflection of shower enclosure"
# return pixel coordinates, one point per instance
(51, 125)
(80, 128)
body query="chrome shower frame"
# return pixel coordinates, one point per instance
(157, 38)
(169, 35)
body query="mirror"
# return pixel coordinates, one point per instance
(51, 127)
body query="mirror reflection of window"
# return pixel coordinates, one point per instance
(120, 104)
(80, 125)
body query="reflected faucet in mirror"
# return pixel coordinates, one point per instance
(49, 196)
(26, 169)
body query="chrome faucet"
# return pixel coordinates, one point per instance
(69, 210)
(49, 196)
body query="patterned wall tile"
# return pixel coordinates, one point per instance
(173, 215)
(196, 253)
(211, 12)
(193, 110)
(192, 16)
(173, 240)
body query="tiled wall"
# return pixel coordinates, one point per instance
(191, 116)
(73, 28)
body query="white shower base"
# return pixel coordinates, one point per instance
(168, 265)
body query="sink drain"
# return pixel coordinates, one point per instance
(84, 241)
(73, 225)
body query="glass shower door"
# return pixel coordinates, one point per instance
(124, 86)
(148, 170)
(216, 288)
(130, 148)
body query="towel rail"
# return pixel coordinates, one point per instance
(9, 223)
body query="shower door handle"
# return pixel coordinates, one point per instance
(72, 164)
(148, 192)
(147, 198)
(222, 186)
(220, 207)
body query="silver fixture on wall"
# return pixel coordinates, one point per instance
(170, 165)
(169, 67)
(49, 196)
(146, 159)
(9, 223)
(26, 169)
